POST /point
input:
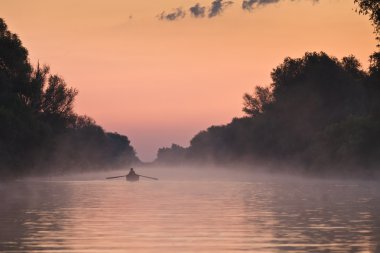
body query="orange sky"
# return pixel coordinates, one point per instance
(162, 82)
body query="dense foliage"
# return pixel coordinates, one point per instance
(372, 9)
(319, 113)
(39, 130)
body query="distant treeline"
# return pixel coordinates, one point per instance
(319, 115)
(318, 112)
(39, 131)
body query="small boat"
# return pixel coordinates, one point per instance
(132, 177)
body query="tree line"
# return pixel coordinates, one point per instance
(39, 130)
(320, 114)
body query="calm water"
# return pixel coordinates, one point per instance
(189, 216)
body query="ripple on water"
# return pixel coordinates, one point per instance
(189, 217)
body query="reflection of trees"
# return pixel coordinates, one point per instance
(31, 216)
(320, 217)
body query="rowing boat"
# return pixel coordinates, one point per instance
(132, 177)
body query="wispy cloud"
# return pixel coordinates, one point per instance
(176, 14)
(217, 7)
(249, 5)
(197, 11)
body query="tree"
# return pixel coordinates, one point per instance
(255, 104)
(58, 100)
(374, 67)
(15, 68)
(371, 8)
(36, 88)
(317, 113)
(39, 129)
(173, 155)
(352, 65)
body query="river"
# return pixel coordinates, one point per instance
(211, 215)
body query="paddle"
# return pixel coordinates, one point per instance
(154, 178)
(114, 177)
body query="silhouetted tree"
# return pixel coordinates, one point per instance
(371, 8)
(318, 113)
(39, 130)
(15, 69)
(255, 104)
(174, 155)
(58, 99)
(36, 88)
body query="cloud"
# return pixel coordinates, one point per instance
(172, 16)
(217, 7)
(249, 5)
(197, 11)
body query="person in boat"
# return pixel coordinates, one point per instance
(132, 176)
(132, 172)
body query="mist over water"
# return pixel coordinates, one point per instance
(189, 211)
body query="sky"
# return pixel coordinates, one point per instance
(161, 82)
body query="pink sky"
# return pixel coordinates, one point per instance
(162, 82)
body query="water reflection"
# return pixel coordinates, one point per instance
(189, 217)
(28, 212)
(320, 217)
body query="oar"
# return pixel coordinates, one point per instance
(154, 178)
(114, 177)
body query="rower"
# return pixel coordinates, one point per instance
(131, 172)
(132, 176)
